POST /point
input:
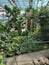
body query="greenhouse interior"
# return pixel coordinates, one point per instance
(24, 32)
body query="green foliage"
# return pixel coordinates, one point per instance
(1, 59)
(20, 22)
(19, 44)
(13, 41)
(25, 33)
(10, 11)
(15, 20)
(2, 27)
(27, 9)
(44, 23)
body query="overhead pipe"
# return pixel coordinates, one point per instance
(13, 3)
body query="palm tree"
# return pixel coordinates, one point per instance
(31, 16)
(28, 14)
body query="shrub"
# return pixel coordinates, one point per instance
(44, 23)
(1, 59)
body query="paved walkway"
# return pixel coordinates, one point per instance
(27, 58)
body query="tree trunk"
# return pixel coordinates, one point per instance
(26, 24)
(31, 25)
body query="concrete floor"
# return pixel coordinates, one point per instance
(27, 58)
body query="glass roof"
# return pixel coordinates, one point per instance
(22, 4)
(5, 2)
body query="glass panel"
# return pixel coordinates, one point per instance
(5, 2)
(23, 4)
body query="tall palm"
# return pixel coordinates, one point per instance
(31, 14)
(28, 14)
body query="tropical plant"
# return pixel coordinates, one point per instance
(15, 20)
(12, 16)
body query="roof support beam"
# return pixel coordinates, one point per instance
(12, 2)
